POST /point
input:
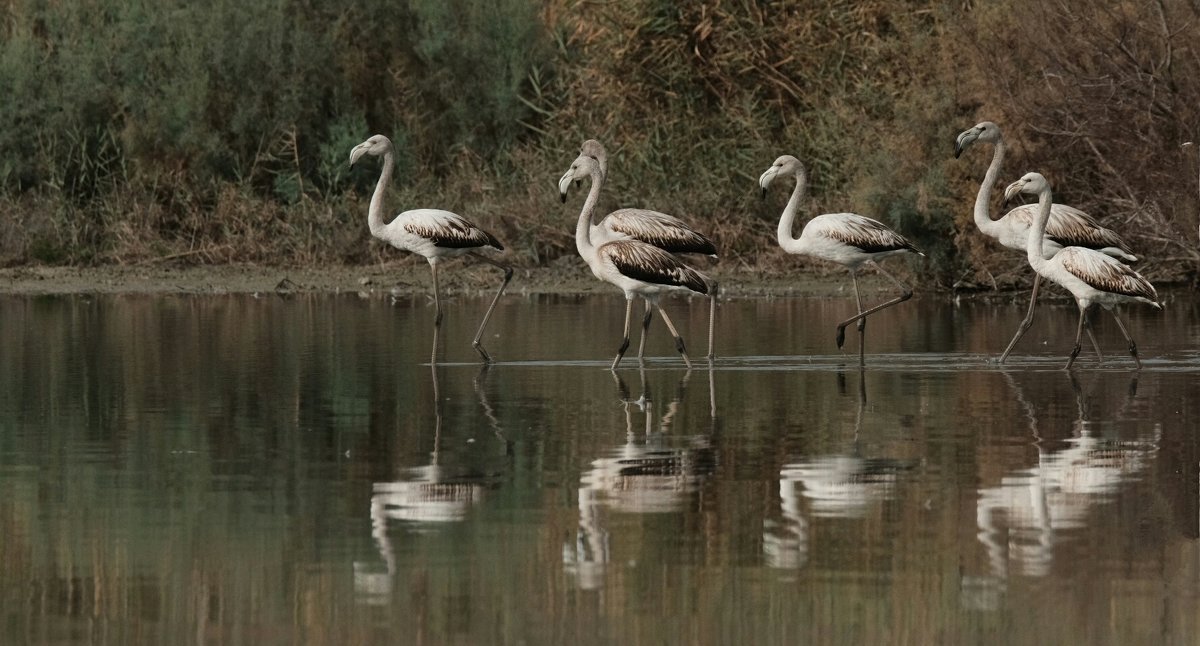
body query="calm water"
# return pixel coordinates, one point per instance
(233, 470)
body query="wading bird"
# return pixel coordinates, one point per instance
(1092, 277)
(637, 268)
(848, 239)
(666, 232)
(432, 233)
(1068, 227)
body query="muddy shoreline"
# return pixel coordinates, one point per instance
(406, 279)
(395, 279)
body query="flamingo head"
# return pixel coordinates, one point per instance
(1029, 184)
(583, 166)
(785, 165)
(595, 150)
(375, 146)
(985, 131)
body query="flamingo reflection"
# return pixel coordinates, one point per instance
(1021, 518)
(432, 493)
(645, 475)
(846, 485)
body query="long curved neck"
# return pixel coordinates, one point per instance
(983, 216)
(1033, 246)
(583, 238)
(789, 212)
(375, 212)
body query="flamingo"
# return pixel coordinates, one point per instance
(1093, 278)
(432, 233)
(666, 232)
(848, 239)
(1068, 226)
(635, 267)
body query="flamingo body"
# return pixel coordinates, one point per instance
(637, 268)
(432, 233)
(1067, 226)
(849, 239)
(666, 232)
(435, 234)
(1091, 276)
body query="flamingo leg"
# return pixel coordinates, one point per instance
(508, 273)
(1132, 346)
(1087, 327)
(437, 308)
(906, 293)
(625, 343)
(862, 323)
(678, 339)
(1083, 313)
(1027, 321)
(712, 318)
(645, 330)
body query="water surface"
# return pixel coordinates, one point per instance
(231, 469)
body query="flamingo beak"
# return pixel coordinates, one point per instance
(965, 139)
(357, 153)
(564, 184)
(1012, 190)
(764, 180)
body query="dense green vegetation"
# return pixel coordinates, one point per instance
(219, 131)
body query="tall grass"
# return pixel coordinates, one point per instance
(218, 131)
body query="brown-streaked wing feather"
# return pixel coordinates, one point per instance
(650, 264)
(1106, 273)
(661, 230)
(1070, 227)
(452, 233)
(869, 235)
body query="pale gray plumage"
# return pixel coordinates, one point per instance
(1092, 277)
(432, 233)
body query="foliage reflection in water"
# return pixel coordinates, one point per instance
(221, 469)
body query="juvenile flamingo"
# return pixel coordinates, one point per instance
(637, 268)
(1068, 227)
(1093, 278)
(666, 232)
(848, 239)
(432, 233)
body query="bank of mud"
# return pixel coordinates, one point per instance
(392, 279)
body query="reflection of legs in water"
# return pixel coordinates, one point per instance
(1082, 403)
(862, 402)
(673, 407)
(862, 396)
(480, 383)
(712, 392)
(437, 411)
(1026, 407)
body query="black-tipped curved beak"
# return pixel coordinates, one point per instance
(965, 138)
(562, 197)
(763, 192)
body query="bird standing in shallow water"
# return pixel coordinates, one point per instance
(1067, 226)
(666, 232)
(848, 239)
(1092, 277)
(432, 233)
(637, 268)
